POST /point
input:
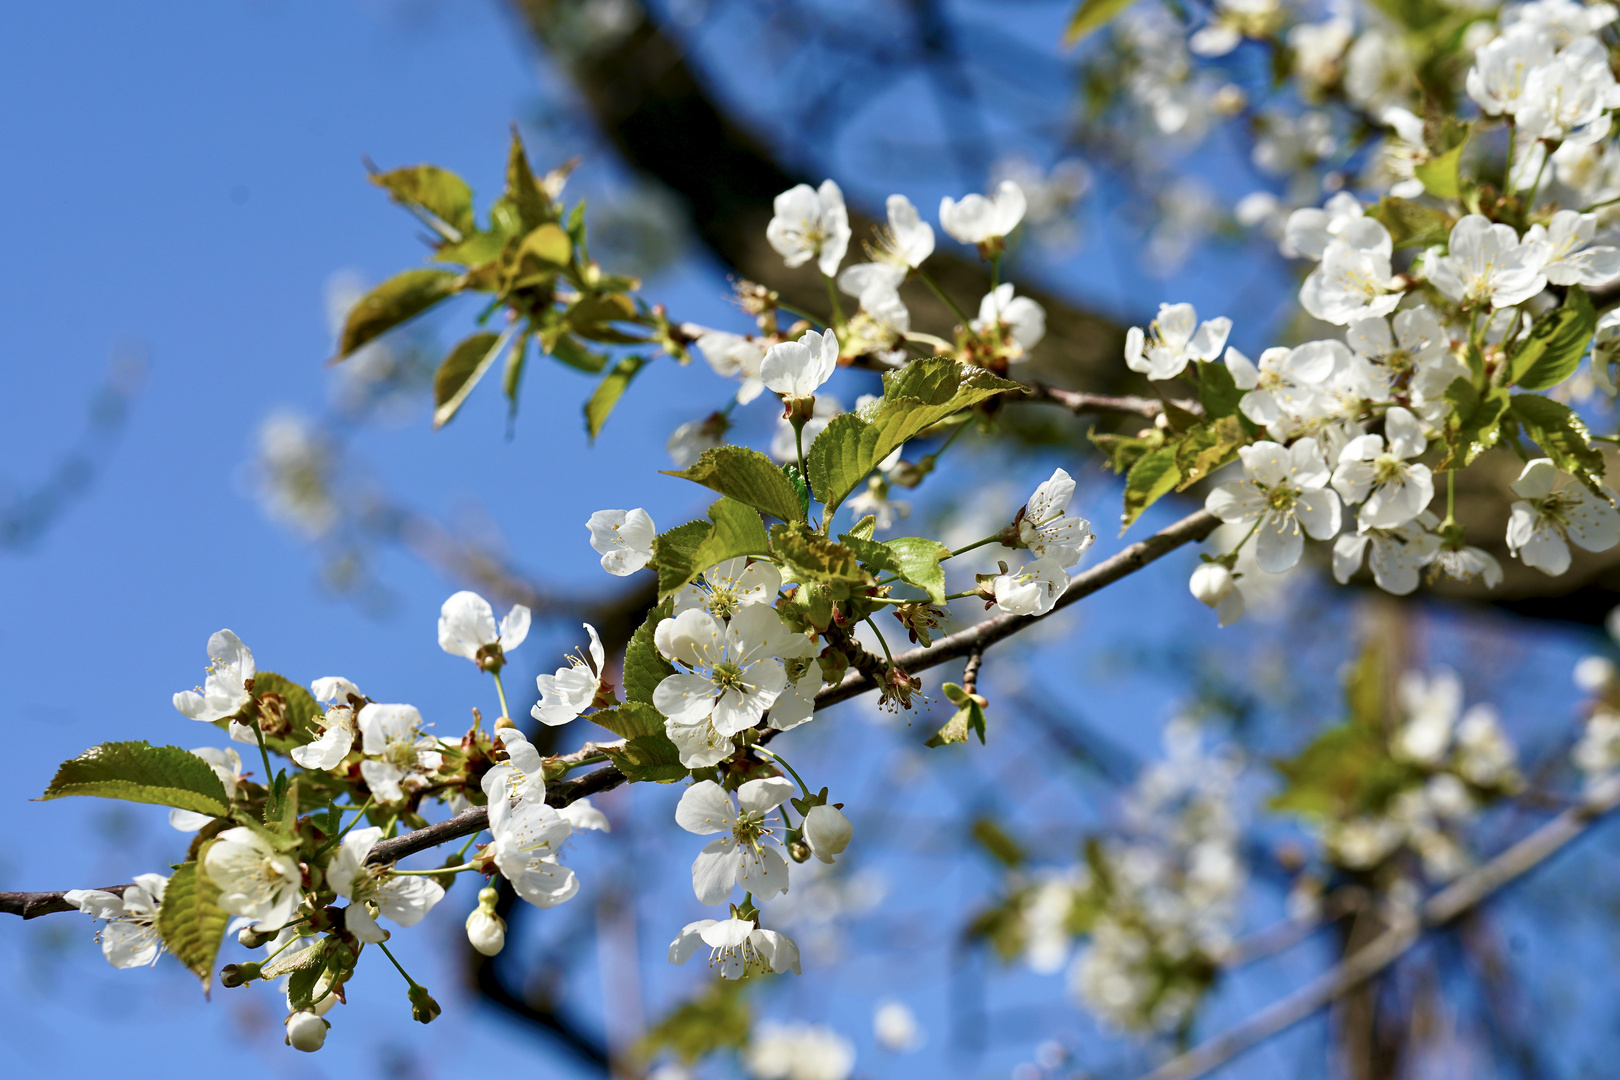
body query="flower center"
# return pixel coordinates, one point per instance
(728, 676)
(1387, 467)
(1281, 499)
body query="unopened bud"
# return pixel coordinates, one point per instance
(306, 1032)
(486, 931)
(238, 974)
(799, 850)
(250, 938)
(423, 1008)
(1210, 583)
(504, 722)
(828, 831)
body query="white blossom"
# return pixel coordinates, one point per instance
(521, 777)
(723, 588)
(1286, 381)
(1173, 340)
(130, 938)
(255, 880)
(1431, 705)
(734, 673)
(734, 357)
(1285, 490)
(394, 747)
(1568, 98)
(1497, 81)
(810, 223)
(1464, 563)
(227, 765)
(1597, 754)
(583, 816)
(1213, 584)
(1571, 259)
(341, 697)
(1484, 756)
(797, 369)
(1310, 230)
(1044, 526)
(895, 1027)
(467, 627)
(692, 439)
(977, 219)
(1561, 21)
(748, 855)
(827, 831)
(901, 247)
(1548, 516)
(875, 499)
(737, 947)
(1354, 280)
(225, 692)
(1031, 589)
(624, 539)
(1391, 487)
(798, 1051)
(486, 931)
(1416, 357)
(527, 838)
(1399, 554)
(405, 900)
(574, 688)
(1486, 262)
(1023, 317)
(1378, 70)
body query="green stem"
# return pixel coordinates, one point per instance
(1535, 186)
(1599, 205)
(946, 300)
(962, 595)
(442, 869)
(403, 973)
(462, 854)
(780, 760)
(501, 692)
(338, 839)
(1451, 499)
(995, 273)
(801, 313)
(993, 538)
(832, 298)
(285, 945)
(594, 759)
(798, 444)
(264, 753)
(889, 655)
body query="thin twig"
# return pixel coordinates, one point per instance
(1077, 401)
(1460, 896)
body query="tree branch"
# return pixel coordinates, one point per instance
(1455, 899)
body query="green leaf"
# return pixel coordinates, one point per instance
(1217, 392)
(523, 192)
(395, 301)
(1207, 447)
(1412, 224)
(1091, 16)
(629, 719)
(568, 349)
(542, 255)
(747, 476)
(809, 557)
(716, 1019)
(305, 974)
(1562, 437)
(1556, 344)
(1123, 451)
(190, 921)
(969, 716)
(460, 372)
(140, 772)
(608, 392)
(683, 553)
(994, 839)
(915, 398)
(874, 556)
(1474, 424)
(1440, 176)
(648, 758)
(644, 668)
(864, 529)
(513, 376)
(1154, 475)
(437, 191)
(298, 708)
(791, 471)
(1346, 770)
(919, 564)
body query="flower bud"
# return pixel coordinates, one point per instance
(799, 850)
(828, 831)
(1210, 583)
(423, 1008)
(306, 1032)
(503, 722)
(250, 938)
(238, 974)
(486, 931)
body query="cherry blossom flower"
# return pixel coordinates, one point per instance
(405, 900)
(1286, 381)
(1044, 526)
(226, 691)
(1561, 21)
(727, 586)
(255, 880)
(895, 1027)
(1497, 81)
(980, 220)
(875, 499)
(527, 838)
(1032, 589)
(574, 688)
(583, 816)
(738, 947)
(1486, 262)
(748, 855)
(734, 357)
(797, 369)
(1285, 490)
(1354, 280)
(797, 704)
(521, 777)
(1567, 99)
(1431, 705)
(1572, 259)
(827, 831)
(391, 738)
(1399, 554)
(1310, 230)
(1173, 340)
(1023, 317)
(130, 938)
(1415, 357)
(798, 1051)
(810, 223)
(1213, 585)
(734, 669)
(1484, 756)
(624, 539)
(1391, 489)
(1459, 562)
(227, 765)
(1549, 515)
(467, 628)
(306, 1031)
(901, 247)
(341, 698)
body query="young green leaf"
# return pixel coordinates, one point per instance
(1562, 437)
(1207, 447)
(644, 668)
(397, 300)
(648, 758)
(874, 556)
(809, 557)
(747, 476)
(1440, 175)
(629, 719)
(1556, 344)
(680, 556)
(437, 192)
(969, 716)
(1154, 474)
(1412, 224)
(191, 922)
(460, 372)
(1218, 394)
(1091, 16)
(523, 192)
(918, 559)
(608, 392)
(140, 772)
(568, 349)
